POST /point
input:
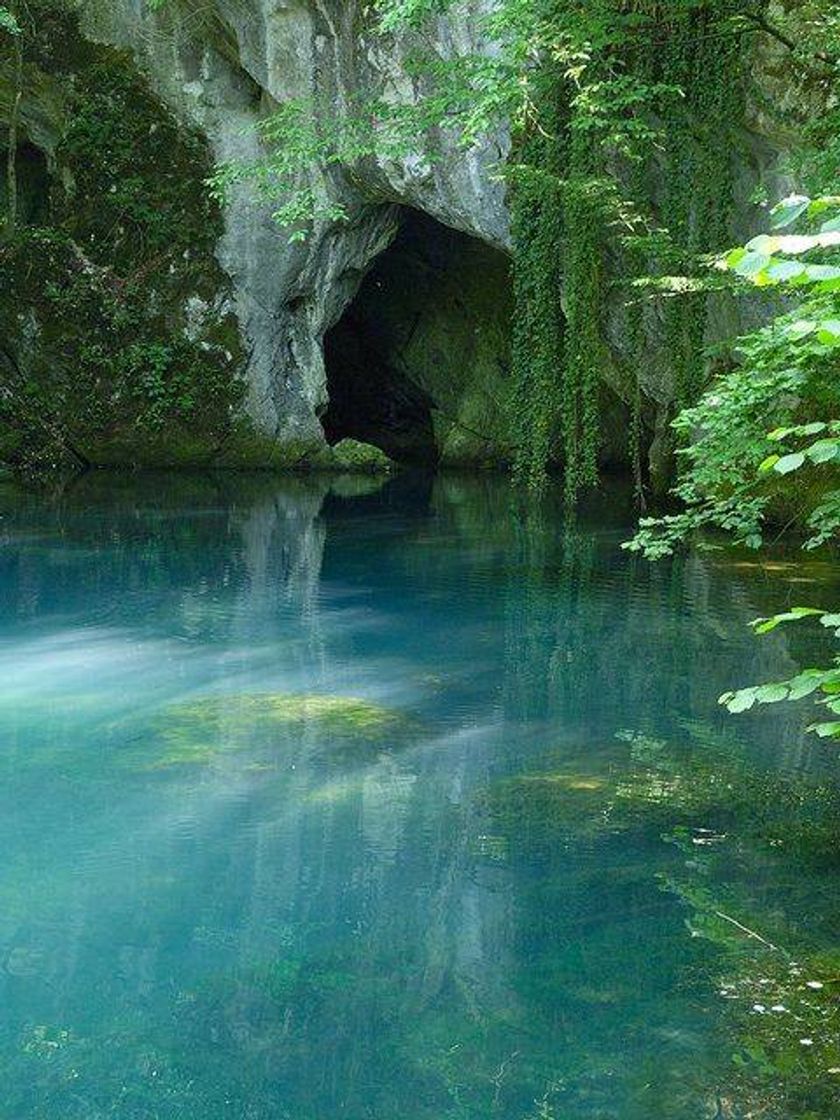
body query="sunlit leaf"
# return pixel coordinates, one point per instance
(771, 693)
(788, 210)
(740, 701)
(789, 463)
(826, 730)
(823, 451)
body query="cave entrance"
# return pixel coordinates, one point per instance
(416, 363)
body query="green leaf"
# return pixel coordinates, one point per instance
(764, 244)
(826, 730)
(8, 22)
(800, 328)
(789, 463)
(740, 701)
(768, 463)
(765, 625)
(823, 451)
(771, 693)
(784, 271)
(734, 257)
(751, 264)
(788, 210)
(804, 684)
(822, 272)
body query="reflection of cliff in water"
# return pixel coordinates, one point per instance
(333, 919)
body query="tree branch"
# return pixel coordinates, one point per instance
(774, 32)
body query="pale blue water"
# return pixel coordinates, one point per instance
(318, 806)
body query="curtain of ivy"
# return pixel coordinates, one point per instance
(565, 185)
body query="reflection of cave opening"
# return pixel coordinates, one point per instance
(421, 346)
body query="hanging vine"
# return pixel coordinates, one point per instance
(624, 115)
(653, 96)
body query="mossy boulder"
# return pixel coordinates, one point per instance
(353, 456)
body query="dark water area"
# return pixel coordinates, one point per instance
(325, 798)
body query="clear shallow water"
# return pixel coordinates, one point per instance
(412, 805)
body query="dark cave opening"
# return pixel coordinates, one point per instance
(415, 360)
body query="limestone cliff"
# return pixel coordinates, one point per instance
(409, 299)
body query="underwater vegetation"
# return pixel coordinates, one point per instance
(208, 728)
(750, 857)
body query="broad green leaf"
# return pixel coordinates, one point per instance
(788, 210)
(828, 338)
(765, 244)
(823, 451)
(765, 625)
(768, 463)
(740, 701)
(822, 203)
(789, 463)
(797, 243)
(783, 271)
(804, 684)
(734, 257)
(821, 272)
(751, 264)
(826, 730)
(800, 328)
(771, 693)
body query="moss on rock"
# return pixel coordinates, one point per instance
(352, 455)
(119, 345)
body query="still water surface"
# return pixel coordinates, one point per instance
(408, 805)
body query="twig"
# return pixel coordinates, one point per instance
(774, 32)
(749, 932)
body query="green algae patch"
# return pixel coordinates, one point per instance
(339, 728)
(341, 714)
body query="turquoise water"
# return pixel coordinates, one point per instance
(321, 800)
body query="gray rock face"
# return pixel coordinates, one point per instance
(225, 63)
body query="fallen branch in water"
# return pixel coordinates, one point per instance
(748, 932)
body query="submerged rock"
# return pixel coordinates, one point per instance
(341, 728)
